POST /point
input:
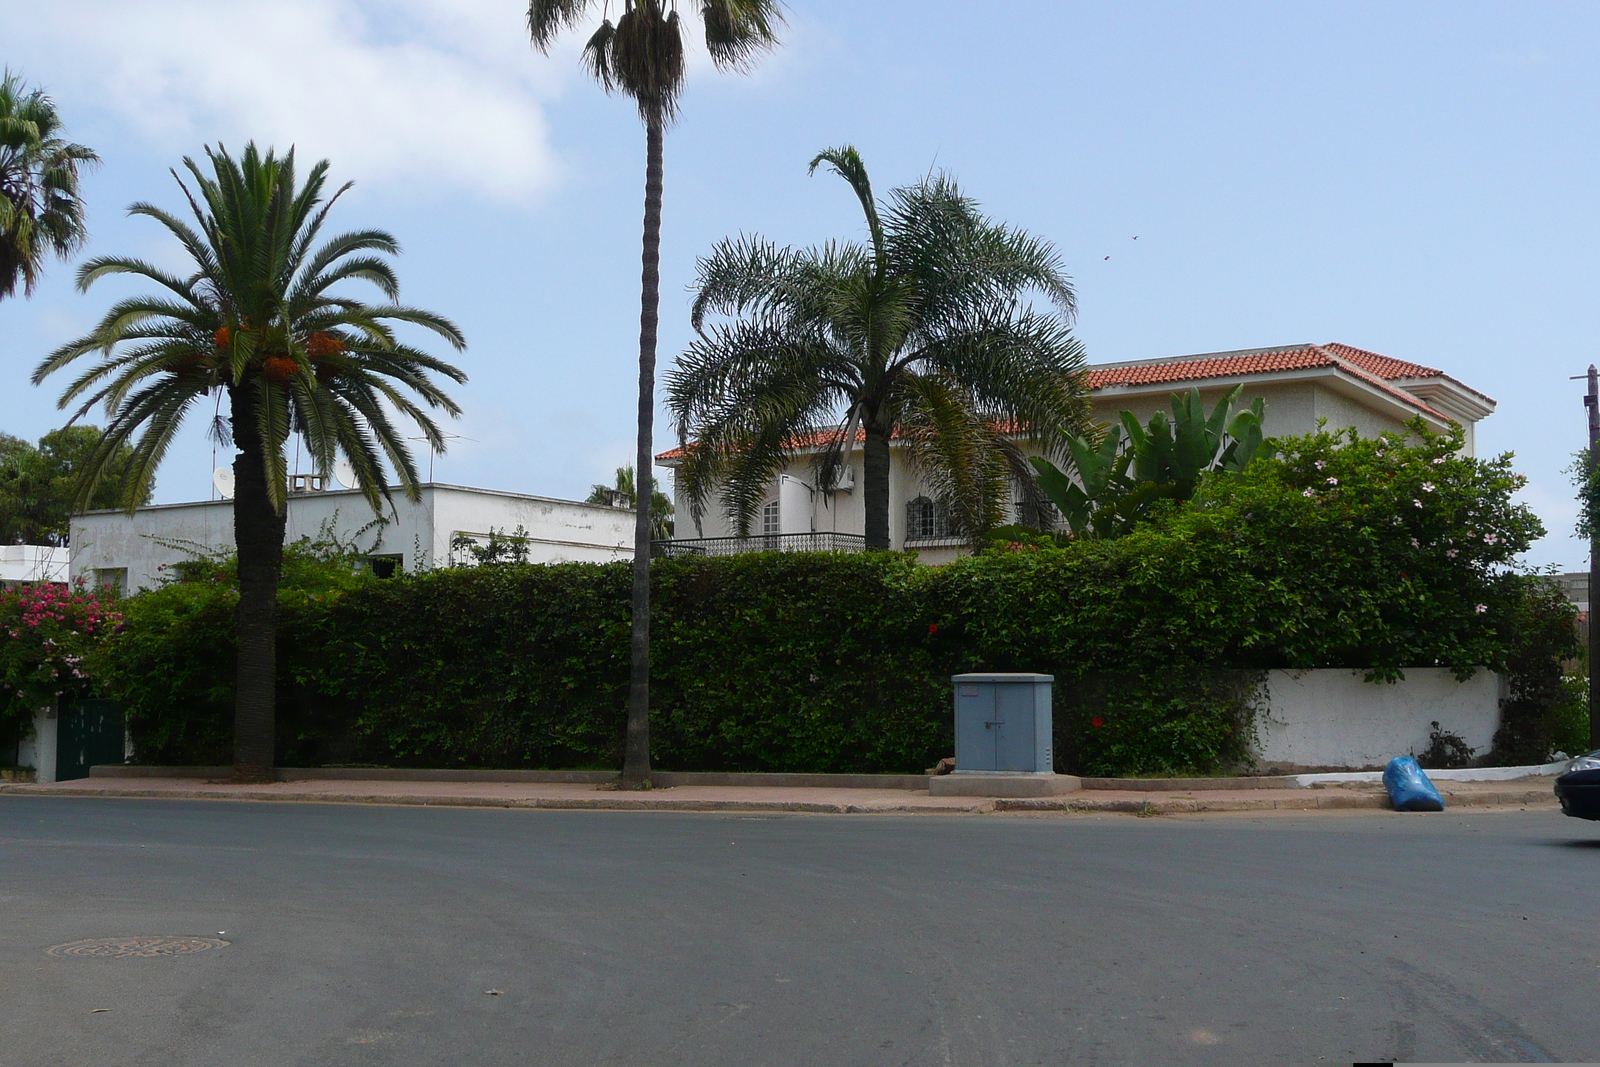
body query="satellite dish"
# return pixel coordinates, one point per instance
(346, 474)
(222, 482)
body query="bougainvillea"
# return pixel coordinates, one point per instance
(45, 631)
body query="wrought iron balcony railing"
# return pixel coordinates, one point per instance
(731, 546)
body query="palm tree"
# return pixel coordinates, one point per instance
(641, 56)
(41, 212)
(257, 325)
(925, 332)
(625, 491)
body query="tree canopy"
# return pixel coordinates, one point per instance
(264, 322)
(660, 503)
(256, 319)
(925, 332)
(38, 484)
(41, 210)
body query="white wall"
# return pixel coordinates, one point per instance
(1333, 719)
(419, 533)
(39, 751)
(796, 509)
(33, 563)
(1291, 406)
(558, 531)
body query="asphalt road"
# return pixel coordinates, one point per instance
(371, 935)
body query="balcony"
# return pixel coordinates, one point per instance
(732, 546)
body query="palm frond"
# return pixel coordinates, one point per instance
(952, 447)
(965, 261)
(547, 18)
(1024, 369)
(747, 397)
(931, 330)
(739, 30)
(846, 163)
(644, 59)
(41, 209)
(244, 323)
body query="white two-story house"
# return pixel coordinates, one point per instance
(1302, 384)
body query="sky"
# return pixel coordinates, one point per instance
(1416, 179)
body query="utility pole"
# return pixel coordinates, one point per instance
(1592, 402)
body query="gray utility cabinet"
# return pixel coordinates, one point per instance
(1003, 724)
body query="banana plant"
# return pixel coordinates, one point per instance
(1120, 478)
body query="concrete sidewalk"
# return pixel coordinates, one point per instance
(1526, 793)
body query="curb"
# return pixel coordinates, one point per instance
(1193, 805)
(1076, 803)
(601, 803)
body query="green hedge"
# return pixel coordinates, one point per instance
(1344, 553)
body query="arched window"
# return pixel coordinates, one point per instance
(927, 519)
(771, 521)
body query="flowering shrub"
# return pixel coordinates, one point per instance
(171, 665)
(1379, 554)
(45, 631)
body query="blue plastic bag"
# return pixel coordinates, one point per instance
(1409, 787)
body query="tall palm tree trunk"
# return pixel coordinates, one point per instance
(636, 753)
(258, 533)
(875, 485)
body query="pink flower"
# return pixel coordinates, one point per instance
(1333, 481)
(1490, 539)
(1452, 554)
(1481, 608)
(1321, 463)
(1418, 503)
(1427, 487)
(1308, 492)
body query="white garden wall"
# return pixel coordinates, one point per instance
(39, 751)
(1332, 719)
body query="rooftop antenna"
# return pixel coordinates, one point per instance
(433, 452)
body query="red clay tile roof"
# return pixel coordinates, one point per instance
(1383, 366)
(1369, 366)
(1377, 370)
(1393, 369)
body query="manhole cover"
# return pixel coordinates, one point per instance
(126, 947)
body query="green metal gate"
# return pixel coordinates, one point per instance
(88, 732)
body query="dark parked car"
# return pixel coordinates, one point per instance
(1579, 789)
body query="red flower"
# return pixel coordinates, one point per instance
(933, 627)
(1096, 722)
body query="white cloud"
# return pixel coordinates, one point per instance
(408, 94)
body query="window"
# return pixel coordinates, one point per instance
(113, 578)
(771, 524)
(927, 519)
(384, 566)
